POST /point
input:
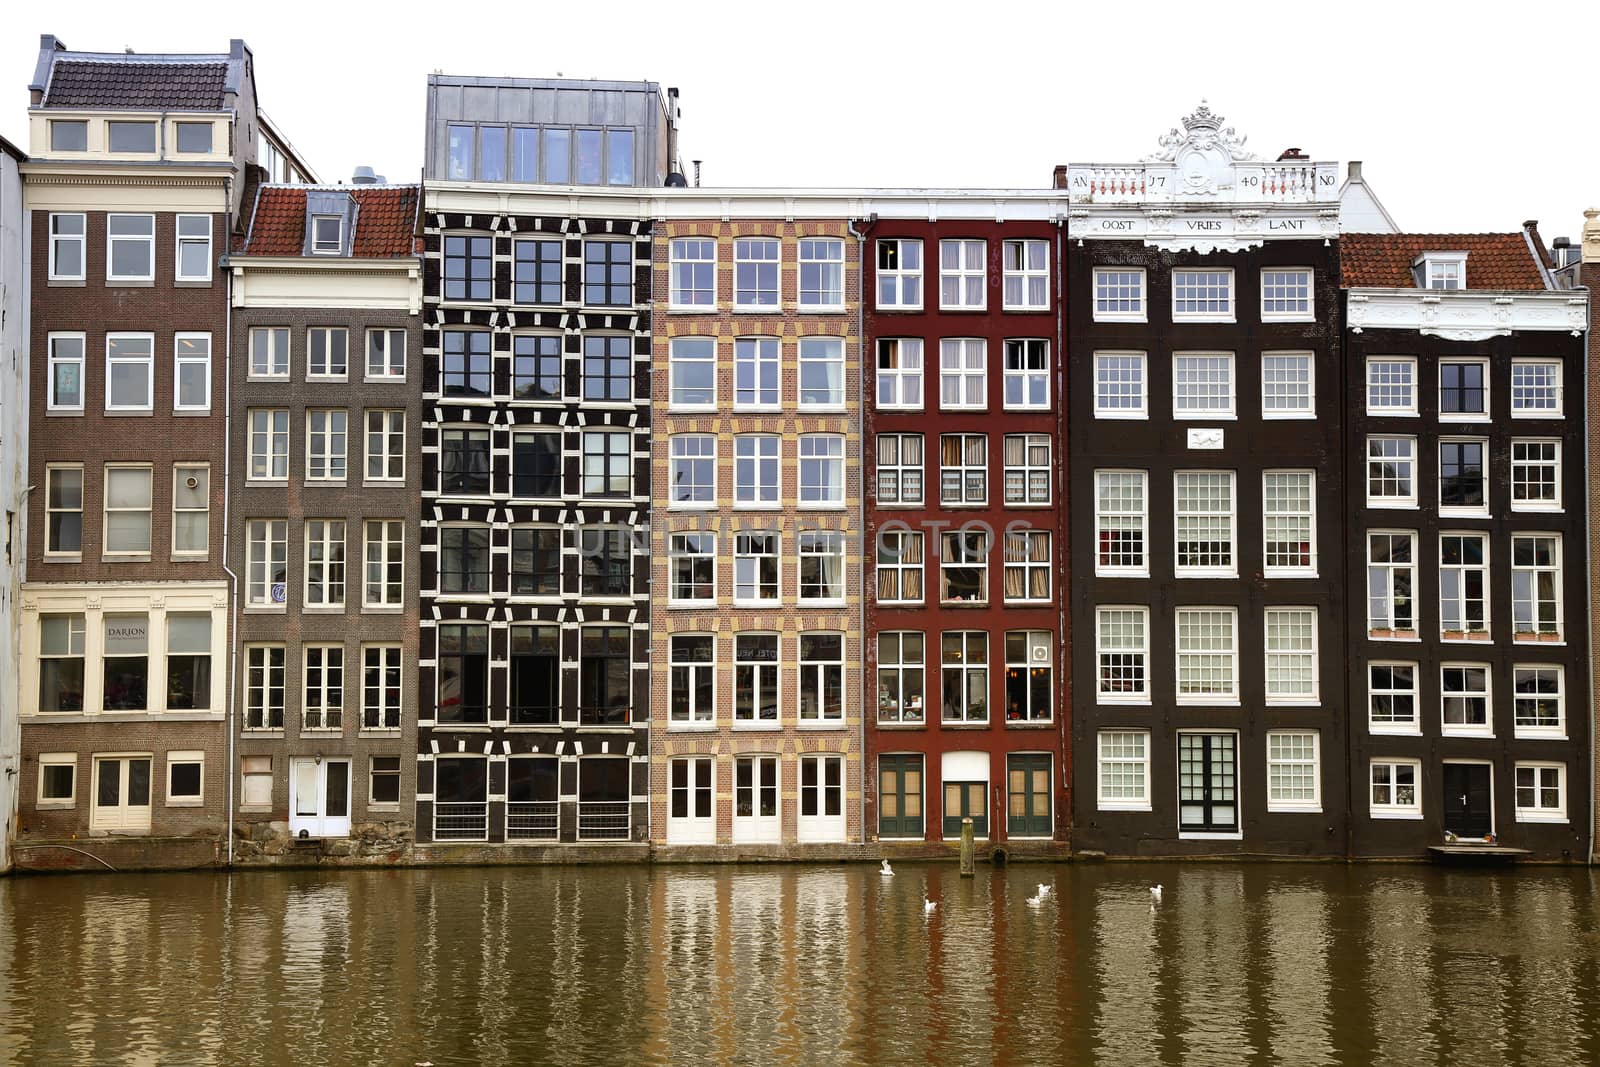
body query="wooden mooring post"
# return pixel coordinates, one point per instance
(968, 849)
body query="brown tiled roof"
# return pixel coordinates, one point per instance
(1383, 260)
(386, 217)
(138, 84)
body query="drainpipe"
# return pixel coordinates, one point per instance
(1061, 541)
(1589, 518)
(861, 511)
(227, 501)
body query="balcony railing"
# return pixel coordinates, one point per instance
(535, 715)
(612, 716)
(533, 820)
(1240, 181)
(460, 822)
(604, 820)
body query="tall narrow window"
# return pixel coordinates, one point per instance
(1288, 524)
(191, 372)
(1293, 781)
(619, 157)
(464, 559)
(128, 507)
(901, 666)
(692, 364)
(194, 248)
(1291, 655)
(1536, 587)
(1391, 472)
(607, 464)
(821, 678)
(191, 510)
(1208, 653)
(67, 247)
(1027, 468)
(692, 566)
(63, 510)
(963, 469)
(900, 567)
(536, 272)
(269, 444)
(1028, 671)
(1204, 504)
(1027, 566)
(963, 374)
(964, 567)
(1391, 579)
(1027, 375)
(324, 563)
(1463, 585)
(462, 674)
(386, 446)
(61, 662)
(605, 676)
(1122, 654)
(386, 355)
(964, 667)
(535, 676)
(535, 465)
(961, 275)
(755, 372)
(608, 273)
(1121, 522)
(755, 568)
(694, 272)
(899, 468)
(899, 373)
(465, 363)
(269, 352)
(755, 678)
(384, 560)
(900, 274)
(1392, 697)
(468, 267)
(821, 566)
(692, 679)
(535, 561)
(605, 556)
(1463, 476)
(821, 373)
(327, 352)
(264, 688)
(130, 372)
(130, 248)
(1026, 275)
(755, 470)
(327, 444)
(464, 464)
(1124, 770)
(755, 272)
(323, 678)
(1208, 782)
(693, 470)
(380, 689)
(1464, 694)
(266, 562)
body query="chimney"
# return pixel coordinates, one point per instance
(1355, 170)
(365, 176)
(696, 173)
(1059, 179)
(1291, 153)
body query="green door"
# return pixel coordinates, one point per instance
(963, 800)
(1028, 795)
(900, 796)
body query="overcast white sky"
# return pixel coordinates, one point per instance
(1473, 116)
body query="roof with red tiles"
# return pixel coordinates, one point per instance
(1384, 260)
(137, 84)
(385, 221)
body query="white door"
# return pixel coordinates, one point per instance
(821, 799)
(755, 800)
(319, 797)
(121, 794)
(691, 818)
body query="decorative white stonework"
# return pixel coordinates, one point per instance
(1467, 315)
(1591, 236)
(1209, 438)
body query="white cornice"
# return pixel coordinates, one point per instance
(303, 282)
(1467, 314)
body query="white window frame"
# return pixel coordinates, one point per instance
(174, 760)
(760, 494)
(327, 374)
(1192, 276)
(823, 545)
(1308, 314)
(1305, 410)
(685, 448)
(822, 471)
(1460, 572)
(51, 471)
(1027, 474)
(182, 240)
(178, 477)
(699, 717)
(1393, 809)
(389, 658)
(1539, 812)
(1022, 274)
(1374, 364)
(1397, 501)
(1123, 656)
(1557, 732)
(1285, 656)
(1475, 510)
(749, 299)
(1101, 391)
(902, 537)
(898, 469)
(390, 551)
(1182, 407)
(1444, 267)
(963, 363)
(112, 240)
(318, 700)
(956, 543)
(827, 352)
(1101, 514)
(387, 344)
(267, 340)
(148, 361)
(81, 361)
(81, 239)
(906, 384)
(1103, 762)
(1456, 729)
(812, 675)
(1412, 726)
(1524, 412)
(901, 277)
(1314, 762)
(900, 665)
(1027, 566)
(181, 359)
(965, 668)
(964, 472)
(1397, 633)
(1229, 697)
(1555, 569)
(834, 249)
(1525, 465)
(276, 442)
(1121, 285)
(679, 360)
(1463, 416)
(1192, 570)
(681, 264)
(391, 444)
(962, 273)
(320, 245)
(263, 681)
(763, 351)
(1027, 377)
(754, 559)
(57, 759)
(261, 552)
(324, 599)
(107, 511)
(1271, 510)
(677, 541)
(334, 454)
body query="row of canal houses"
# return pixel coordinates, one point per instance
(555, 505)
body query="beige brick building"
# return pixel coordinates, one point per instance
(757, 569)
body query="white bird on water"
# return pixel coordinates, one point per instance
(1155, 894)
(928, 907)
(886, 870)
(1042, 895)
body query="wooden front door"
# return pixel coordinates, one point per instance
(1468, 810)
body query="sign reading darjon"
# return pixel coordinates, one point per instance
(127, 634)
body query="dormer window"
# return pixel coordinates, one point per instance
(1443, 270)
(69, 135)
(131, 137)
(327, 235)
(194, 138)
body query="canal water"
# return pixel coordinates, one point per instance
(1254, 964)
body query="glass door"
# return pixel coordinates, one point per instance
(690, 816)
(821, 799)
(121, 795)
(755, 800)
(319, 797)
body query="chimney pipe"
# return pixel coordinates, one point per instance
(696, 173)
(1355, 170)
